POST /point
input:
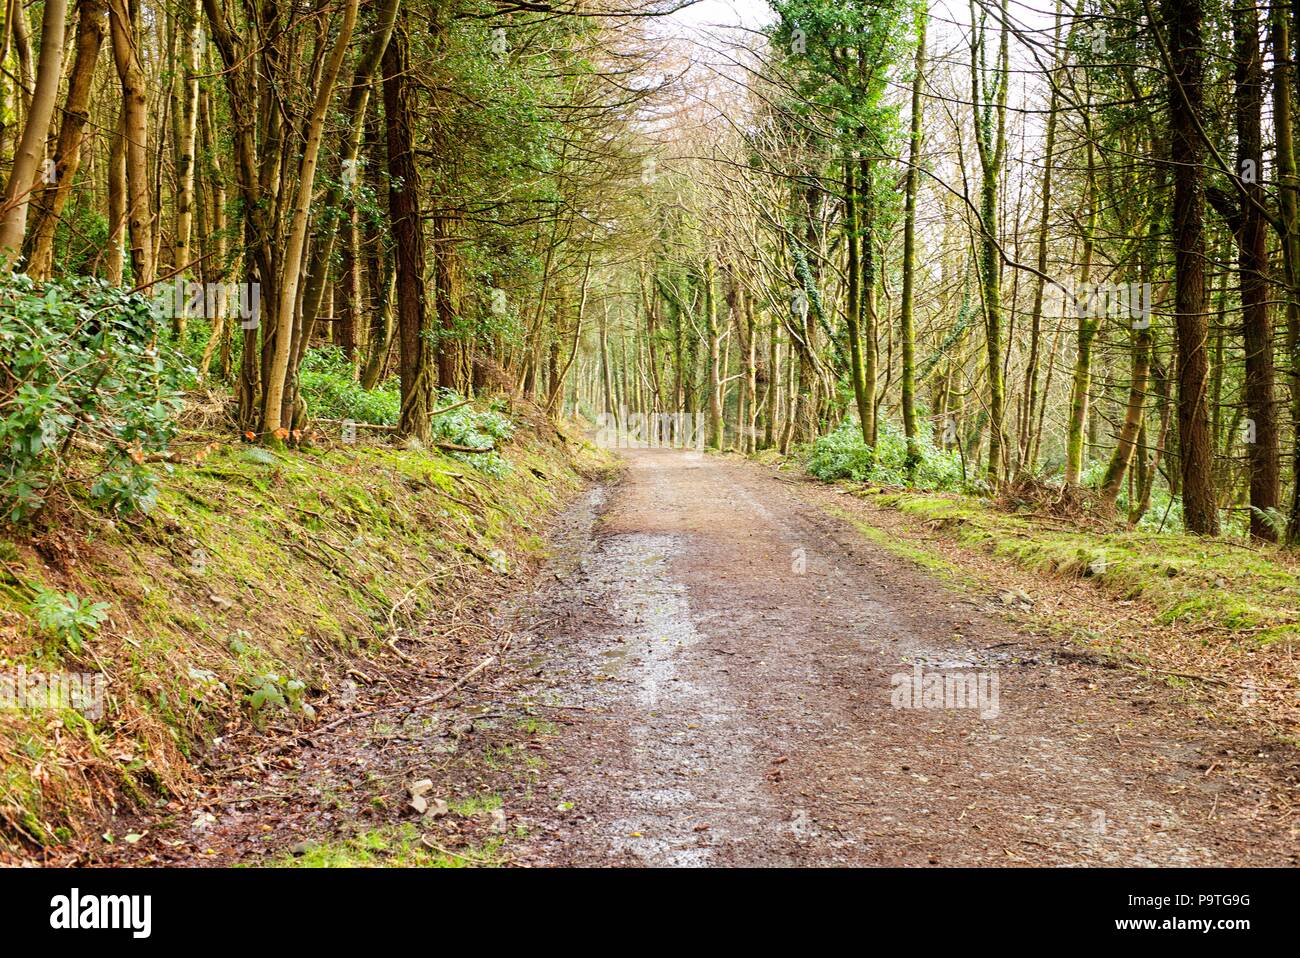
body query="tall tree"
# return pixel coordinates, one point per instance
(67, 152)
(122, 15)
(1185, 54)
(906, 326)
(1253, 266)
(418, 362)
(989, 105)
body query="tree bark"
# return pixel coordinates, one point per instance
(417, 363)
(990, 119)
(358, 99)
(906, 332)
(115, 255)
(852, 315)
(187, 128)
(135, 132)
(1184, 21)
(31, 147)
(1262, 431)
(716, 425)
(275, 391)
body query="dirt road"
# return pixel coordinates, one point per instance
(745, 681)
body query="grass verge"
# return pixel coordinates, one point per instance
(1216, 618)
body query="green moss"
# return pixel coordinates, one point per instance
(396, 846)
(926, 559)
(475, 805)
(536, 726)
(1188, 579)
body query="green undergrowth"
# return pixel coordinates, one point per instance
(394, 846)
(1190, 581)
(238, 603)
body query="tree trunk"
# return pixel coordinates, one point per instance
(67, 154)
(906, 332)
(277, 392)
(135, 131)
(990, 121)
(716, 426)
(1262, 431)
(31, 148)
(1089, 308)
(418, 368)
(342, 193)
(1030, 401)
(1185, 37)
(115, 254)
(867, 304)
(853, 311)
(187, 128)
(1135, 411)
(1289, 217)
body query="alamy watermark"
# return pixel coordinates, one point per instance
(53, 691)
(634, 430)
(75, 911)
(1130, 301)
(188, 298)
(946, 690)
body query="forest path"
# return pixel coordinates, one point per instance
(726, 652)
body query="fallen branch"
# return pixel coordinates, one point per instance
(454, 685)
(402, 601)
(310, 734)
(453, 447)
(385, 428)
(439, 412)
(1208, 679)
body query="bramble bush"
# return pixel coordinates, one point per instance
(843, 455)
(84, 379)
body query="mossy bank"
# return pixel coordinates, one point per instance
(237, 604)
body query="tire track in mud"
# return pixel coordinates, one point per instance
(727, 655)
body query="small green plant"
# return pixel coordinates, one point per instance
(1274, 518)
(279, 692)
(466, 426)
(68, 617)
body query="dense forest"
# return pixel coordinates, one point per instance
(1022, 248)
(1035, 248)
(649, 432)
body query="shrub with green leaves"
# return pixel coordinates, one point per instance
(330, 389)
(276, 691)
(473, 429)
(86, 388)
(843, 455)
